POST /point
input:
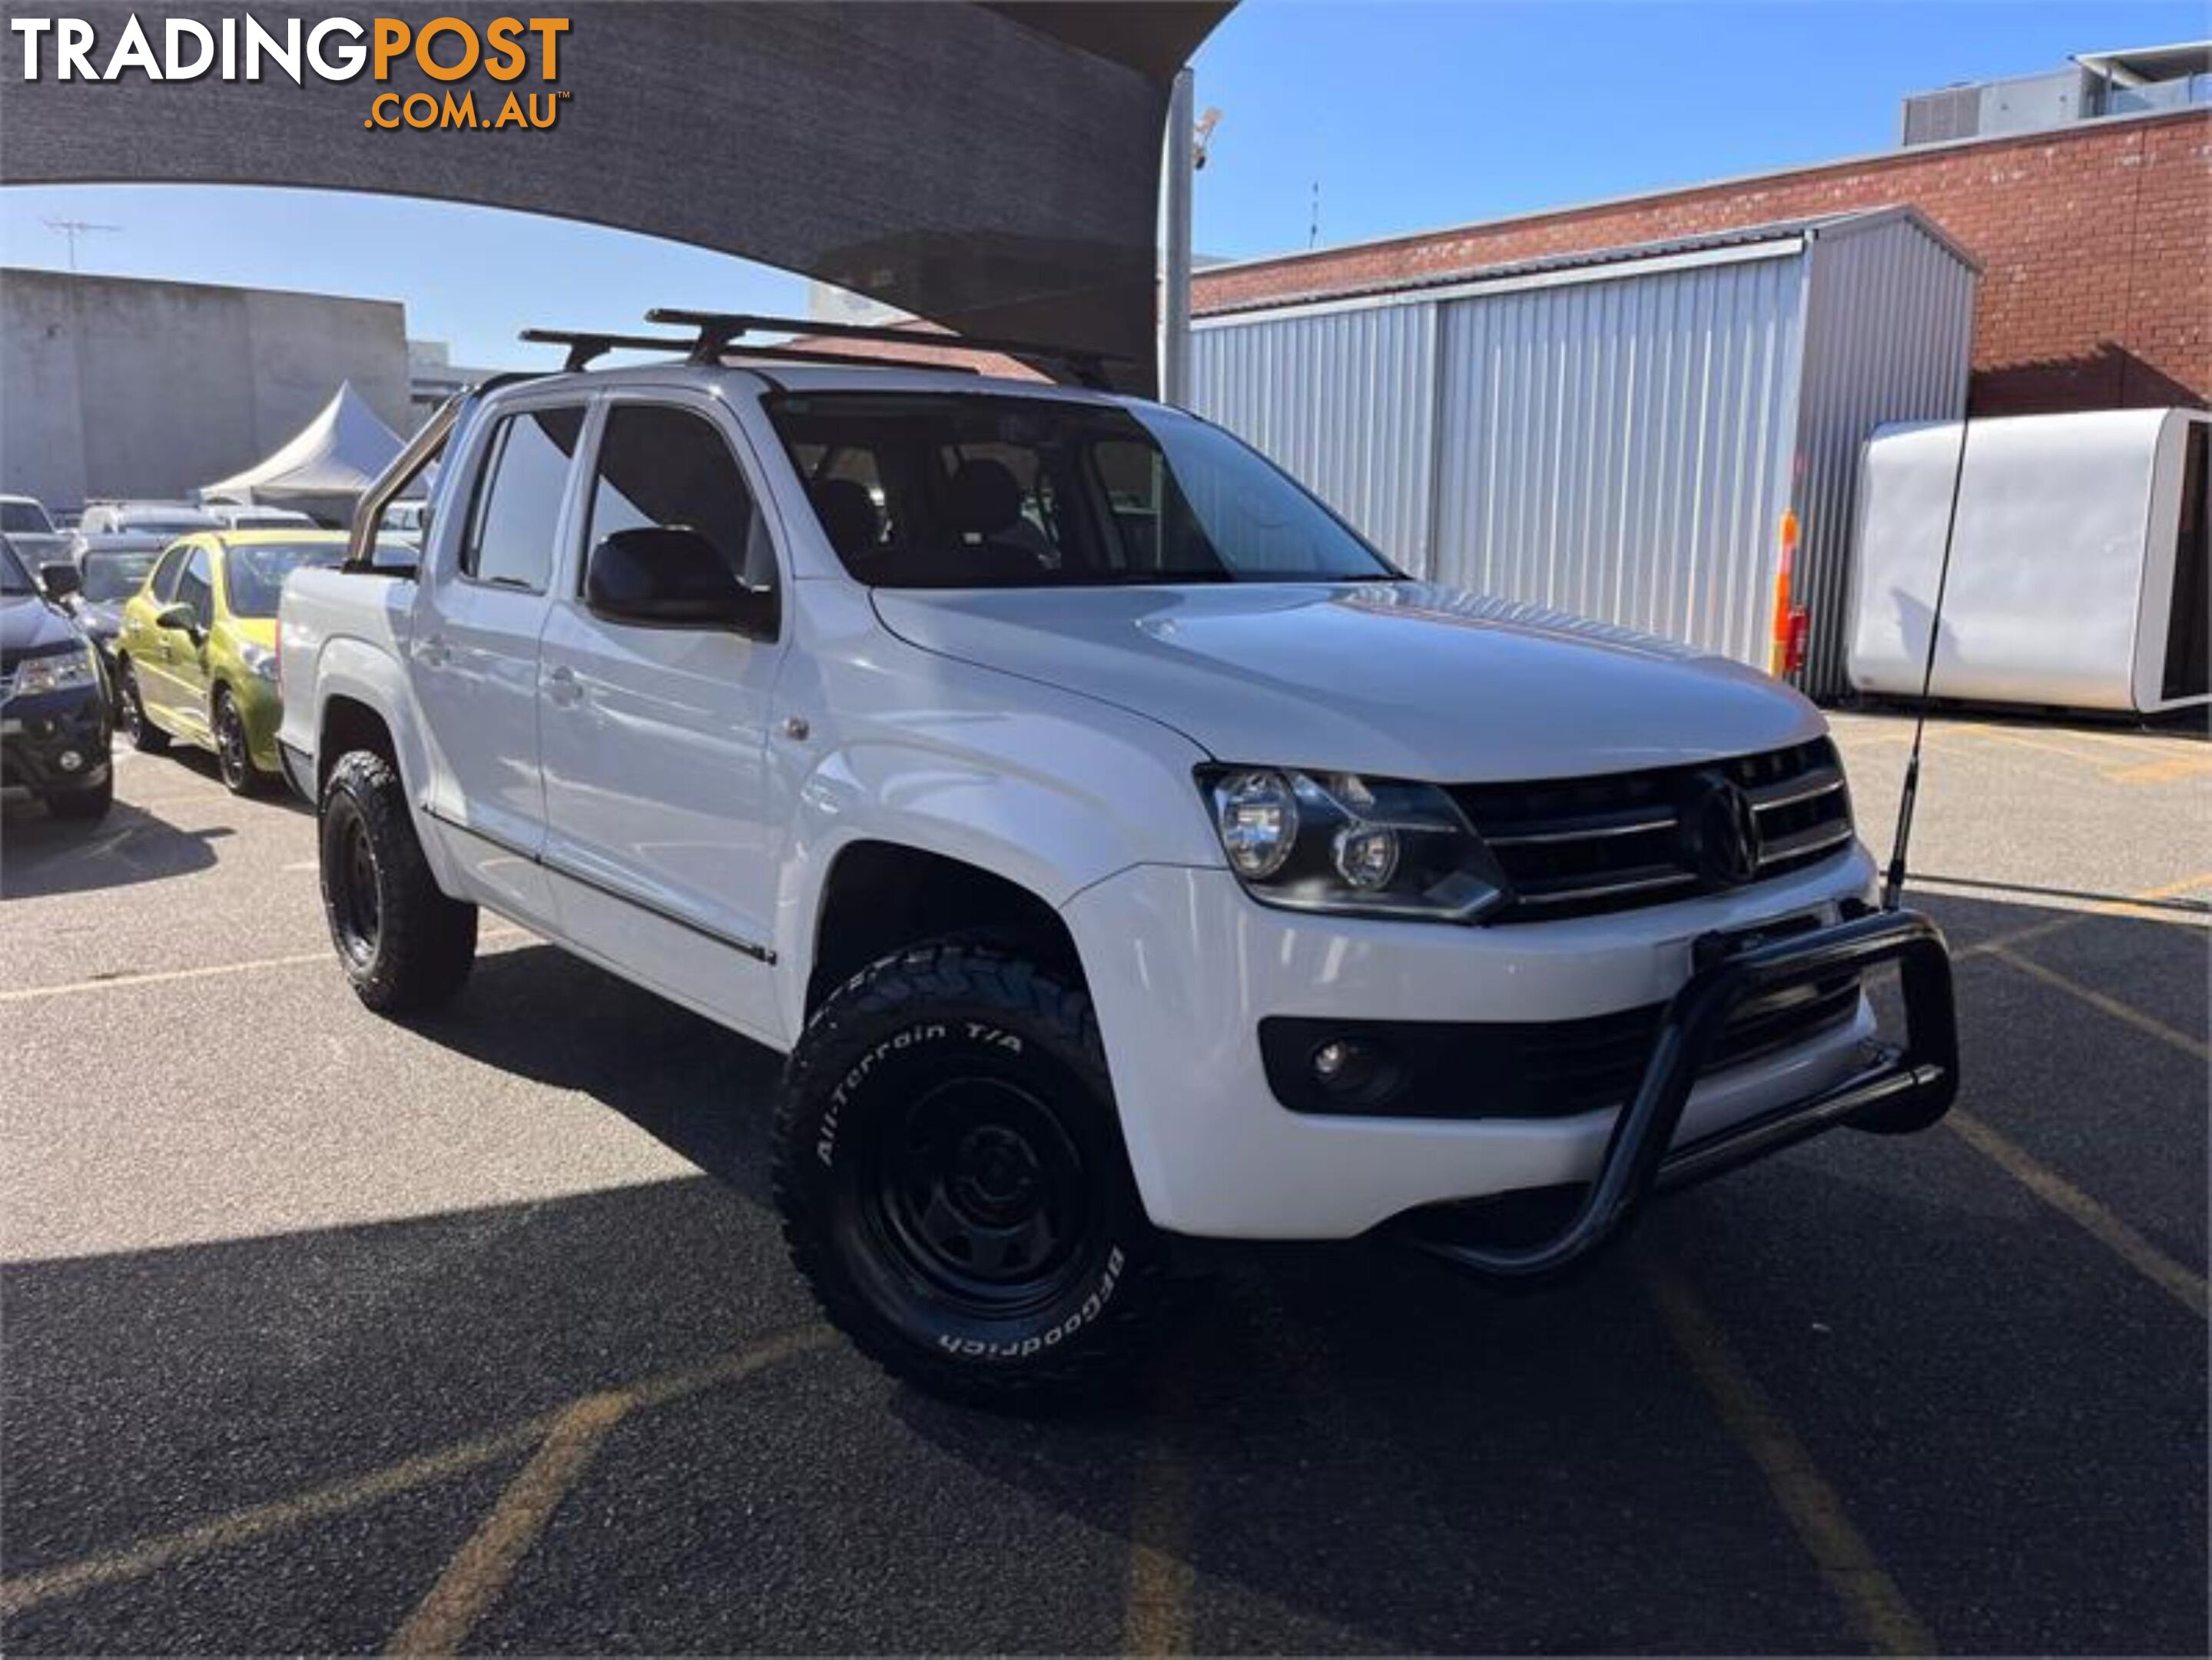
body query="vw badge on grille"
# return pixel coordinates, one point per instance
(1720, 831)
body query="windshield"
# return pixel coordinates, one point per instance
(14, 579)
(116, 575)
(181, 526)
(253, 577)
(24, 516)
(956, 491)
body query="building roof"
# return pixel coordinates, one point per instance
(2141, 65)
(1682, 248)
(1902, 156)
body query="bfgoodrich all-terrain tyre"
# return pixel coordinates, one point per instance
(403, 944)
(953, 1184)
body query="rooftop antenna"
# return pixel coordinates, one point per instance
(73, 228)
(1893, 887)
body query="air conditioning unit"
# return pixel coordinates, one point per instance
(2026, 103)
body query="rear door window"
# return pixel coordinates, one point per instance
(517, 510)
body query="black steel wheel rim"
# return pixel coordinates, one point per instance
(357, 907)
(230, 743)
(981, 1196)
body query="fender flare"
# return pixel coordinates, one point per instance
(360, 673)
(970, 815)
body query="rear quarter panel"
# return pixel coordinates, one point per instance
(343, 634)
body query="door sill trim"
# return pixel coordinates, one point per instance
(758, 952)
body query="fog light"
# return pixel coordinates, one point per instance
(1344, 1066)
(68, 761)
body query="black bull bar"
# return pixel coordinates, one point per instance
(1904, 1087)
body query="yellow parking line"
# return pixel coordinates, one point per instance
(166, 977)
(2172, 770)
(2187, 884)
(2125, 908)
(1868, 1594)
(2106, 1004)
(1156, 1604)
(151, 1555)
(480, 1570)
(29, 1590)
(2182, 1284)
(163, 977)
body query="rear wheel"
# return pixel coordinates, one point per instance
(233, 755)
(145, 737)
(953, 1184)
(403, 944)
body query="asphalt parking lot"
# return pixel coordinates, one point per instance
(325, 1334)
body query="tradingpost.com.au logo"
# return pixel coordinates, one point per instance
(337, 49)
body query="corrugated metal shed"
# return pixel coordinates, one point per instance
(1616, 434)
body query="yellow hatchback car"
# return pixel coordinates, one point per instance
(196, 656)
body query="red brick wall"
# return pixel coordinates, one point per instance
(2095, 243)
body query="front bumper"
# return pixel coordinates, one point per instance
(39, 735)
(1899, 1086)
(1182, 967)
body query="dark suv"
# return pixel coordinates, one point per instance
(54, 725)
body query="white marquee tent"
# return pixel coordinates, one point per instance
(324, 466)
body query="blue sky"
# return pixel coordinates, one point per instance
(1409, 115)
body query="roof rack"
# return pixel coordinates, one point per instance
(719, 330)
(587, 345)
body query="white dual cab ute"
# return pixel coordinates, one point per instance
(1119, 847)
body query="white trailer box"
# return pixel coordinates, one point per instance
(2077, 569)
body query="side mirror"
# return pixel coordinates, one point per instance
(669, 576)
(61, 579)
(177, 616)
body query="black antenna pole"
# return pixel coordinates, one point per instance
(1893, 887)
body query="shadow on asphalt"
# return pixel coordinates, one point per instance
(1352, 1448)
(42, 855)
(703, 1092)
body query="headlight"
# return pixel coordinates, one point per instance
(1361, 847)
(260, 659)
(60, 671)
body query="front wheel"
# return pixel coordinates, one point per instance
(403, 944)
(233, 753)
(953, 1184)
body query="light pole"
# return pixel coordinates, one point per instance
(1175, 245)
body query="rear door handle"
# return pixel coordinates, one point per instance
(562, 687)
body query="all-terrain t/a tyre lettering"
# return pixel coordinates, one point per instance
(953, 1184)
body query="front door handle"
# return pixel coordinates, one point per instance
(563, 686)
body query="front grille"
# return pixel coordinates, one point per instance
(1573, 1065)
(1576, 847)
(1533, 1069)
